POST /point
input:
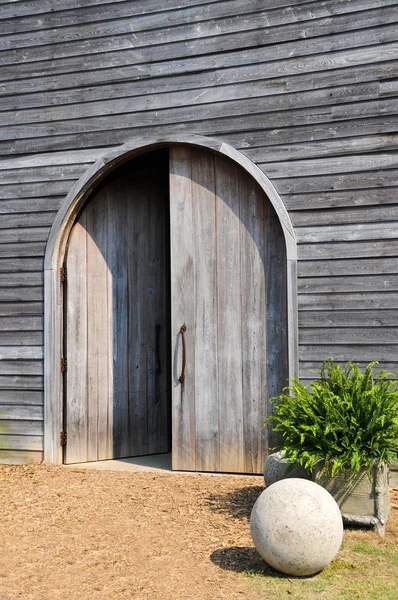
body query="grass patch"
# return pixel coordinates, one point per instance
(364, 569)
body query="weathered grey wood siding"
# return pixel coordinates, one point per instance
(308, 90)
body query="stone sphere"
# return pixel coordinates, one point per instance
(296, 526)
(276, 467)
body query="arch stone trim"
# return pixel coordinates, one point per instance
(56, 248)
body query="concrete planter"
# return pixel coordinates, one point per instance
(362, 501)
(276, 468)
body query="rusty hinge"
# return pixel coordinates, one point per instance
(63, 274)
(62, 438)
(63, 363)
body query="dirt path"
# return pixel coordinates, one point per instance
(102, 535)
(96, 535)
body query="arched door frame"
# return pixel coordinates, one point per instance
(55, 254)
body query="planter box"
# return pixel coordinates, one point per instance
(362, 501)
(276, 467)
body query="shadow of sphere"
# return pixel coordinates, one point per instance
(240, 559)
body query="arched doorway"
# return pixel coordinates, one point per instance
(227, 278)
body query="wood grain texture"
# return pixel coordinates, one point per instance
(76, 330)
(117, 404)
(182, 285)
(206, 347)
(308, 92)
(233, 249)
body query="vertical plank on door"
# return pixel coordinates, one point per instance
(229, 317)
(182, 308)
(253, 207)
(76, 351)
(138, 316)
(99, 350)
(157, 305)
(204, 228)
(277, 335)
(118, 301)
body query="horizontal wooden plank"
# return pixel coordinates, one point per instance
(149, 116)
(264, 137)
(146, 63)
(358, 266)
(269, 98)
(277, 11)
(19, 427)
(20, 457)
(289, 39)
(22, 412)
(348, 250)
(53, 173)
(90, 10)
(28, 219)
(20, 265)
(364, 300)
(348, 318)
(357, 283)
(25, 205)
(21, 367)
(21, 382)
(276, 126)
(9, 280)
(340, 199)
(345, 233)
(336, 165)
(21, 397)
(343, 181)
(21, 338)
(11, 323)
(343, 353)
(53, 159)
(325, 148)
(8, 309)
(348, 335)
(195, 87)
(339, 216)
(21, 352)
(20, 442)
(76, 32)
(31, 190)
(21, 294)
(307, 368)
(28, 249)
(31, 234)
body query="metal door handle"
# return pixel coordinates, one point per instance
(157, 350)
(183, 329)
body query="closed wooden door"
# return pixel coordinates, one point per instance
(116, 320)
(228, 286)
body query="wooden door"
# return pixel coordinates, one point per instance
(228, 286)
(116, 320)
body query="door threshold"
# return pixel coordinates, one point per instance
(153, 462)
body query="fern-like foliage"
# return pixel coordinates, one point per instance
(343, 421)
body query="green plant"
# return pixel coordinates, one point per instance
(344, 421)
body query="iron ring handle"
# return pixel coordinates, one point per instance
(183, 329)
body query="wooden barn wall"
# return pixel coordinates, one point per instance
(307, 90)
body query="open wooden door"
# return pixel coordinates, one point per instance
(116, 320)
(228, 286)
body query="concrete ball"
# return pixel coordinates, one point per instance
(296, 526)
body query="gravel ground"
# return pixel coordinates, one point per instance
(102, 535)
(105, 535)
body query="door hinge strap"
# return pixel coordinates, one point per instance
(62, 438)
(63, 274)
(63, 365)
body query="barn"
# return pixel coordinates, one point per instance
(198, 201)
